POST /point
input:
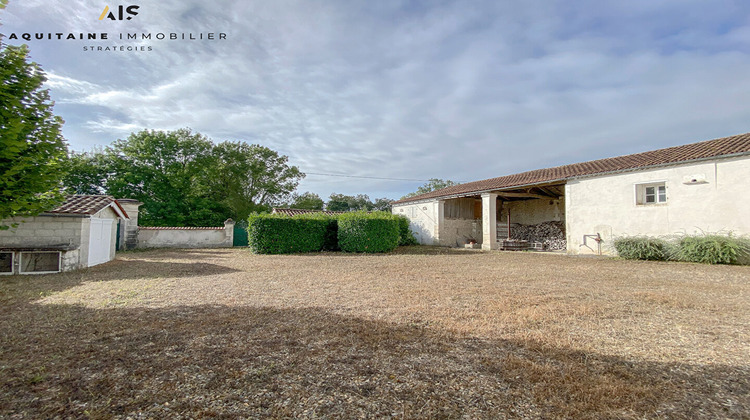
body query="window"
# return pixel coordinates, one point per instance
(6, 263)
(653, 193)
(39, 262)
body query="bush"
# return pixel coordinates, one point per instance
(714, 249)
(368, 232)
(405, 236)
(279, 234)
(642, 248)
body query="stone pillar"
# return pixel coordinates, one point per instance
(229, 232)
(489, 221)
(129, 229)
(439, 222)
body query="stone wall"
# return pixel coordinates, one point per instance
(182, 237)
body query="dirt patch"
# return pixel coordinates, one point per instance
(423, 332)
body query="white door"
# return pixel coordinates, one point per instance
(100, 239)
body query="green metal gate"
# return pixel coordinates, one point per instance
(240, 236)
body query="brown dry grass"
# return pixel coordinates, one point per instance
(423, 332)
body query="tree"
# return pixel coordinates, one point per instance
(341, 202)
(433, 184)
(184, 179)
(382, 204)
(249, 178)
(32, 149)
(163, 169)
(307, 201)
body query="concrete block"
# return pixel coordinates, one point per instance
(52, 225)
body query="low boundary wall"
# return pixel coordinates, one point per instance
(186, 237)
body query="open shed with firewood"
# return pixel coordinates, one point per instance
(583, 207)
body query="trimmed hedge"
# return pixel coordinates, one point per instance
(642, 248)
(405, 236)
(279, 234)
(368, 232)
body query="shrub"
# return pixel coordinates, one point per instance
(368, 232)
(714, 249)
(279, 234)
(330, 239)
(405, 235)
(642, 248)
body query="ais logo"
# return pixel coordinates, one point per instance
(121, 11)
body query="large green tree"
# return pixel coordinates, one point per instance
(183, 178)
(32, 149)
(249, 177)
(433, 184)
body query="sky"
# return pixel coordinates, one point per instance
(411, 90)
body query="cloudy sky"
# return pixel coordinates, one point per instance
(403, 89)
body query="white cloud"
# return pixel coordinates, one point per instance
(454, 90)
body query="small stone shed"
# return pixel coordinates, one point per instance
(81, 232)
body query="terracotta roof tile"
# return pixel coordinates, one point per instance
(702, 150)
(295, 212)
(85, 204)
(180, 228)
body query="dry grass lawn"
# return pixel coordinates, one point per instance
(420, 333)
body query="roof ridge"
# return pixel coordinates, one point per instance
(739, 143)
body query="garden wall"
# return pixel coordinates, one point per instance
(186, 237)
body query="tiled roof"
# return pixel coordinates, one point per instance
(295, 212)
(739, 144)
(179, 228)
(86, 205)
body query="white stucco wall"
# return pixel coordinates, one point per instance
(423, 219)
(607, 204)
(186, 238)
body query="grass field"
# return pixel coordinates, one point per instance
(422, 332)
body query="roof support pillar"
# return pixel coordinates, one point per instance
(439, 221)
(489, 221)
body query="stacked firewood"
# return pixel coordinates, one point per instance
(550, 234)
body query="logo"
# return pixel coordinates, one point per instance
(121, 11)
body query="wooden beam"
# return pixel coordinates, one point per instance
(522, 195)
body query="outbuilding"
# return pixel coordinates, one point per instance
(81, 232)
(583, 207)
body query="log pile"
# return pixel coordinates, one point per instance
(550, 234)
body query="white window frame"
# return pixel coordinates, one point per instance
(20, 262)
(12, 264)
(641, 195)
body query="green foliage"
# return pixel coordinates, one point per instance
(183, 179)
(642, 248)
(32, 149)
(368, 232)
(307, 201)
(405, 235)
(382, 204)
(341, 202)
(714, 249)
(433, 184)
(279, 234)
(248, 178)
(707, 249)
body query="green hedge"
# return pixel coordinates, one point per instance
(279, 234)
(368, 232)
(405, 236)
(642, 248)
